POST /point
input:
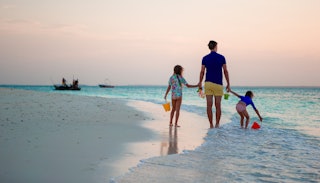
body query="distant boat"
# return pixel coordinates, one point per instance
(106, 85)
(64, 86)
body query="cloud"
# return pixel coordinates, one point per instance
(19, 26)
(7, 6)
(83, 31)
(24, 26)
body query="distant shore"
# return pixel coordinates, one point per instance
(49, 137)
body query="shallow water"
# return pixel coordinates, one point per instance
(230, 154)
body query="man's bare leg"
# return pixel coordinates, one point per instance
(209, 109)
(218, 110)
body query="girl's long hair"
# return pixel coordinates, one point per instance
(178, 71)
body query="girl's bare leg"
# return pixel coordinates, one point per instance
(245, 113)
(241, 118)
(177, 107)
(173, 102)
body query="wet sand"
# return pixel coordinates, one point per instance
(49, 137)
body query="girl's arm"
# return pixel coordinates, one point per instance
(234, 93)
(259, 115)
(191, 86)
(168, 89)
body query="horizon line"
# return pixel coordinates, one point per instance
(276, 86)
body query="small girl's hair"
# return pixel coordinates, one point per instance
(249, 94)
(178, 69)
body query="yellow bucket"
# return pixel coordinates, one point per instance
(166, 106)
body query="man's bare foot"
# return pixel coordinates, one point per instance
(211, 126)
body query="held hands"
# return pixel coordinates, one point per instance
(200, 85)
(200, 93)
(228, 88)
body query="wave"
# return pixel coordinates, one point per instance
(231, 154)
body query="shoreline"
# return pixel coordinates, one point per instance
(84, 139)
(64, 135)
(166, 140)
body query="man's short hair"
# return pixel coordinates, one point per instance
(212, 44)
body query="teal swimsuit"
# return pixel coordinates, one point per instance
(176, 86)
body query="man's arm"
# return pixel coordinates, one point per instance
(203, 68)
(226, 75)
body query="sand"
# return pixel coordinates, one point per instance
(49, 137)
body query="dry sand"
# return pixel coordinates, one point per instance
(49, 137)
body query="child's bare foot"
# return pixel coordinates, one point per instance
(170, 124)
(176, 125)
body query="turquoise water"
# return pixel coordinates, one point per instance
(285, 149)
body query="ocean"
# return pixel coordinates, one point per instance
(285, 149)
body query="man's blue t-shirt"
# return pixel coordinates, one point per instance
(213, 63)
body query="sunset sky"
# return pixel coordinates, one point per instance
(265, 42)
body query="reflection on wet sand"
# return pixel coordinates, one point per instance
(170, 143)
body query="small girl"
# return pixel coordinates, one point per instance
(176, 82)
(241, 107)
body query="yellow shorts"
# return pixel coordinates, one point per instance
(213, 89)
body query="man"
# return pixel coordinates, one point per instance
(213, 64)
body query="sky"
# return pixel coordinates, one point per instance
(138, 42)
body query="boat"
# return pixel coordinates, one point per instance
(106, 85)
(64, 86)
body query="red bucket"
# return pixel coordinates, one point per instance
(255, 125)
